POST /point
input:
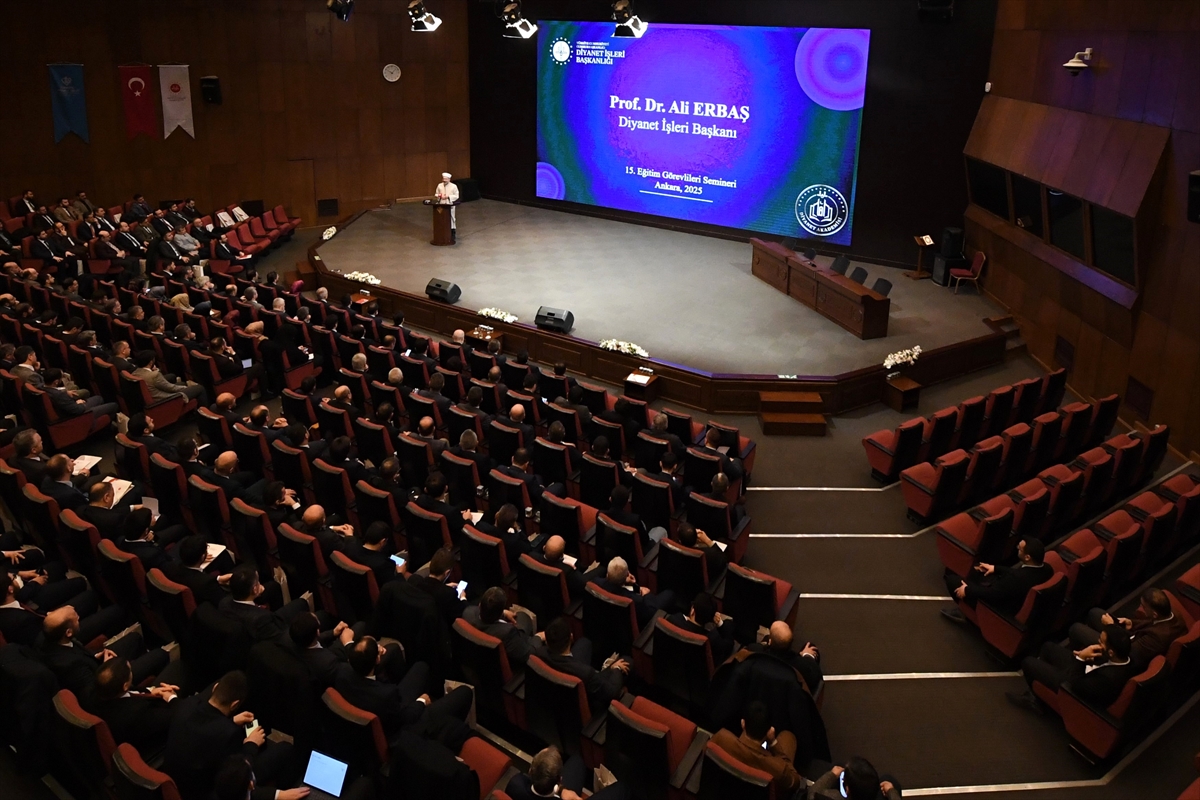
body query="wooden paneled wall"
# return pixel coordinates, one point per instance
(1145, 68)
(306, 113)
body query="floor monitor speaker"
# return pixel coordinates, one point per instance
(446, 291)
(555, 319)
(942, 267)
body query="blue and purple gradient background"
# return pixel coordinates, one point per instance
(804, 86)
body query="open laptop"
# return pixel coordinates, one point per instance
(324, 776)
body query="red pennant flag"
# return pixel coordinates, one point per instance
(137, 96)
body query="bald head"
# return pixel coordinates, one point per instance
(781, 636)
(460, 336)
(555, 547)
(425, 426)
(255, 328)
(395, 376)
(226, 401)
(227, 462)
(342, 394)
(314, 516)
(517, 413)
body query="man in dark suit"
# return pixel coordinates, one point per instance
(371, 551)
(121, 357)
(1152, 628)
(427, 433)
(658, 430)
(398, 705)
(76, 668)
(1096, 674)
(128, 243)
(704, 620)
(58, 485)
(387, 479)
(243, 485)
(420, 352)
(714, 558)
(1003, 588)
(522, 469)
(208, 728)
(450, 604)
(140, 208)
(516, 419)
(668, 465)
(602, 686)
(206, 577)
(437, 382)
(32, 461)
(343, 399)
(22, 611)
(261, 422)
(260, 623)
(226, 406)
(618, 513)
(141, 430)
(730, 465)
(142, 717)
(436, 499)
(618, 580)
(27, 204)
(329, 537)
(466, 448)
(338, 456)
(171, 253)
(778, 644)
(325, 653)
(138, 539)
(471, 405)
(103, 221)
(72, 403)
(506, 526)
(552, 555)
(514, 629)
(550, 777)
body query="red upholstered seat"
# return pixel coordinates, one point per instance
(1100, 731)
(890, 452)
(965, 539)
(133, 777)
(930, 490)
(1014, 635)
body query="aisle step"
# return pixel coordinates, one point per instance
(791, 402)
(775, 423)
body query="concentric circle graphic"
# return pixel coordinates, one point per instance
(550, 182)
(831, 66)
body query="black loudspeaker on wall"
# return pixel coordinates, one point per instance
(446, 291)
(1193, 209)
(952, 242)
(555, 319)
(210, 89)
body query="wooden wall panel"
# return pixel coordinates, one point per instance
(306, 113)
(1145, 70)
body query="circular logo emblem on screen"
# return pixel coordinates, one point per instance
(821, 210)
(560, 51)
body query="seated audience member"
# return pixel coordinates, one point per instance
(437, 382)
(58, 485)
(142, 716)
(435, 498)
(241, 484)
(141, 430)
(730, 465)
(235, 780)
(516, 419)
(714, 557)
(515, 629)
(298, 436)
(324, 652)
(550, 777)
(21, 618)
(617, 513)
(620, 581)
(668, 466)
(427, 433)
(161, 387)
(329, 537)
(720, 493)
(138, 539)
(600, 452)
(552, 556)
(522, 469)
(1096, 674)
(1152, 629)
(196, 569)
(259, 420)
(658, 429)
(760, 747)
(70, 404)
(208, 728)
(557, 434)
(506, 526)
(625, 415)
(259, 623)
(76, 668)
(398, 705)
(388, 479)
(1003, 588)
(468, 442)
(339, 456)
(778, 644)
(704, 619)
(603, 685)
(439, 586)
(281, 504)
(857, 780)
(372, 551)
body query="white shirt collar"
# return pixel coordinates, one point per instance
(13, 604)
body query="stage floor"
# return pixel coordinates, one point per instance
(687, 299)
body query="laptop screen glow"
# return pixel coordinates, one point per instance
(325, 773)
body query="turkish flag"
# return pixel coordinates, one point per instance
(138, 98)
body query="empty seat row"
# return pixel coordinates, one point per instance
(1052, 501)
(933, 490)
(926, 438)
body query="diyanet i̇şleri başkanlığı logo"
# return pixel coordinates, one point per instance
(560, 51)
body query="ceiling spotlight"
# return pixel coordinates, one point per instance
(1078, 63)
(340, 8)
(422, 20)
(628, 23)
(515, 24)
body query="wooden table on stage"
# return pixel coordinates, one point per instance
(851, 305)
(479, 338)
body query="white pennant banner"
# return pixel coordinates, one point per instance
(176, 92)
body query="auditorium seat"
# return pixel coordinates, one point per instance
(372, 440)
(970, 422)
(543, 590)
(354, 736)
(650, 749)
(1012, 635)
(134, 779)
(427, 532)
(722, 776)
(77, 543)
(378, 505)
(936, 436)
(483, 562)
(1101, 731)
(1025, 403)
(355, 590)
(252, 451)
(171, 601)
(1018, 441)
(334, 422)
(332, 485)
(756, 599)
(485, 665)
(967, 539)
(653, 501)
(253, 527)
(292, 467)
(984, 470)
(503, 441)
(610, 622)
(503, 488)
(681, 663)
(597, 479)
(1121, 548)
(890, 452)
(614, 539)
(932, 490)
(1047, 430)
(570, 519)
(840, 265)
(462, 475)
(859, 275)
(210, 509)
(882, 286)
(1077, 421)
(1103, 419)
(86, 737)
(683, 570)
(63, 432)
(556, 708)
(308, 569)
(997, 409)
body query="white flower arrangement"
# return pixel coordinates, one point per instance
(628, 348)
(364, 277)
(328, 233)
(497, 313)
(909, 356)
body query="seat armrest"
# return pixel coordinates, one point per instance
(646, 634)
(594, 725)
(873, 443)
(717, 583)
(516, 685)
(1007, 619)
(740, 529)
(649, 561)
(574, 609)
(955, 542)
(692, 784)
(787, 611)
(692, 757)
(589, 536)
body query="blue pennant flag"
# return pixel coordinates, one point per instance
(68, 100)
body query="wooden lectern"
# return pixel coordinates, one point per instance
(920, 273)
(441, 223)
